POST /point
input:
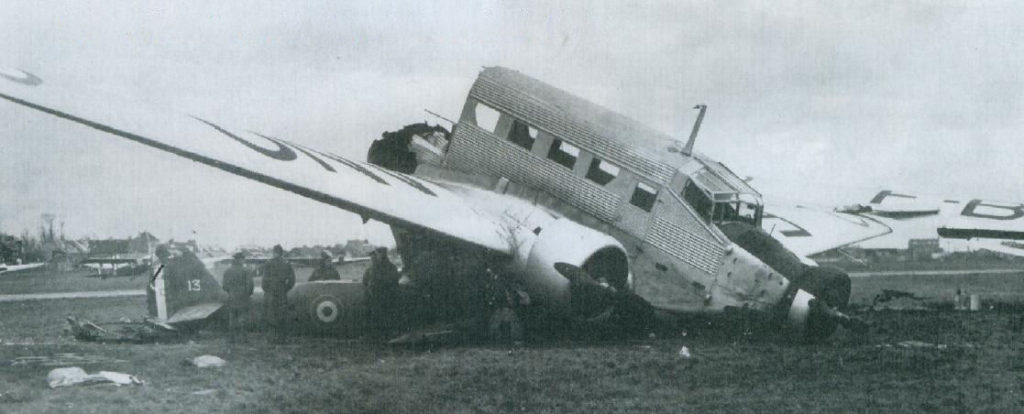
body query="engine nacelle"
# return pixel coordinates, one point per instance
(563, 241)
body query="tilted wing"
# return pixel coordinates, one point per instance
(957, 219)
(365, 189)
(806, 231)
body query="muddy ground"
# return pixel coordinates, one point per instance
(911, 361)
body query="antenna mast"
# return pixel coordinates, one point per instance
(688, 149)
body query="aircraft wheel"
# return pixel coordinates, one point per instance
(831, 286)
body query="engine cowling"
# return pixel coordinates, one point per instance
(564, 242)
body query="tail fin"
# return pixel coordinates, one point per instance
(184, 290)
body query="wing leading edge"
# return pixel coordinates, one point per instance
(362, 188)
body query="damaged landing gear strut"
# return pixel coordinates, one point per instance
(817, 296)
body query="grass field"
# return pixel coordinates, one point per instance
(1006, 288)
(978, 367)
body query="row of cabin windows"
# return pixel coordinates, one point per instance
(562, 153)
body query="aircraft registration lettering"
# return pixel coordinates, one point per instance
(408, 180)
(798, 232)
(970, 210)
(882, 195)
(283, 153)
(194, 286)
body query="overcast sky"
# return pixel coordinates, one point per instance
(814, 100)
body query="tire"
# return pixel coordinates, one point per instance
(830, 286)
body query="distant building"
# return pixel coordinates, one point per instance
(358, 248)
(923, 249)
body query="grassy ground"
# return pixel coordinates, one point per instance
(993, 288)
(978, 367)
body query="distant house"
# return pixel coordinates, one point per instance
(358, 248)
(923, 249)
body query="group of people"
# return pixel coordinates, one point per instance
(278, 279)
(390, 305)
(183, 280)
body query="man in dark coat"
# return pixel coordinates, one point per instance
(278, 279)
(239, 286)
(325, 270)
(381, 287)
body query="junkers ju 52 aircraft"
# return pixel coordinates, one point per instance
(533, 183)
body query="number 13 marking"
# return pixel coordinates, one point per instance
(193, 285)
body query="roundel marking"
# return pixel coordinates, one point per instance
(20, 76)
(326, 309)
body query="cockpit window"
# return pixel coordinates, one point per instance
(736, 211)
(730, 207)
(697, 199)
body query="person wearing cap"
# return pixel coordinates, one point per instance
(278, 279)
(325, 270)
(239, 286)
(380, 283)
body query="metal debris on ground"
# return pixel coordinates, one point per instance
(131, 332)
(920, 344)
(63, 377)
(207, 361)
(684, 353)
(62, 359)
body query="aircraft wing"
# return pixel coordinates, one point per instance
(1012, 248)
(14, 268)
(365, 189)
(974, 227)
(806, 231)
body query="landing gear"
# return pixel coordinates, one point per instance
(831, 290)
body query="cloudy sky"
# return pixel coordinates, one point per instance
(815, 100)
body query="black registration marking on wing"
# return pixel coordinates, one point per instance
(799, 232)
(326, 166)
(412, 182)
(225, 166)
(356, 167)
(283, 153)
(25, 79)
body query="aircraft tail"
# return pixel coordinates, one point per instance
(183, 290)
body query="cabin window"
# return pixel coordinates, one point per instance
(602, 172)
(487, 117)
(644, 196)
(564, 153)
(522, 134)
(696, 198)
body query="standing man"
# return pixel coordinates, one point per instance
(278, 279)
(239, 286)
(381, 286)
(325, 270)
